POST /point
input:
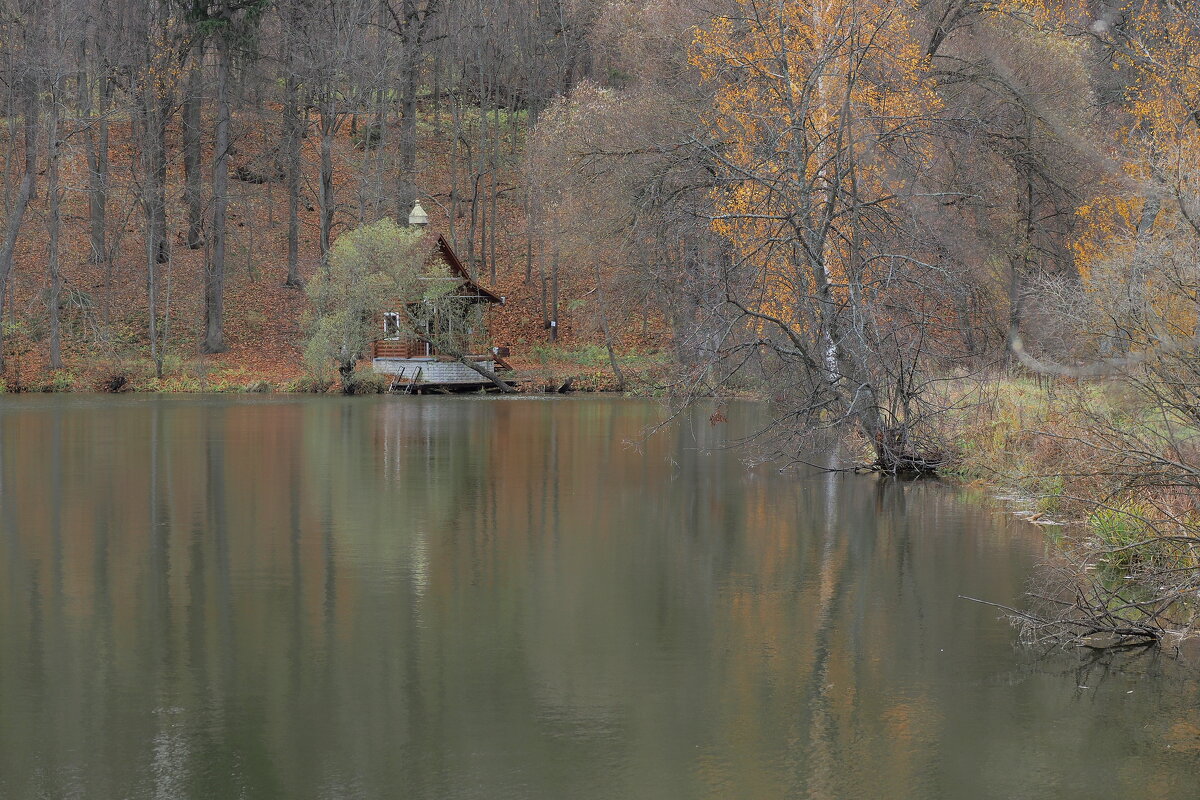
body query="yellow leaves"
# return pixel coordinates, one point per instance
(809, 97)
(1162, 136)
(1046, 14)
(1107, 227)
(1155, 49)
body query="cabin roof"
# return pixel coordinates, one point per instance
(456, 266)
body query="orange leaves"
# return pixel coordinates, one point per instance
(1160, 51)
(815, 103)
(1141, 217)
(1108, 227)
(163, 69)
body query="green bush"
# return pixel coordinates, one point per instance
(182, 383)
(1050, 491)
(588, 355)
(371, 269)
(1119, 530)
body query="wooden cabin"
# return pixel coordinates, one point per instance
(415, 362)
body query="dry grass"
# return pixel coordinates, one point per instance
(1059, 445)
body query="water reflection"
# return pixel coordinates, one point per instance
(453, 598)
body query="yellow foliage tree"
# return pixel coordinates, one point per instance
(821, 114)
(1151, 206)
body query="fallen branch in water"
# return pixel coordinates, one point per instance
(1080, 622)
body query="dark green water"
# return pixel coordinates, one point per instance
(493, 598)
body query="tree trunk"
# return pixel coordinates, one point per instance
(493, 192)
(162, 113)
(554, 296)
(437, 99)
(17, 210)
(612, 356)
(346, 373)
(471, 231)
(455, 196)
(406, 188)
(292, 132)
(484, 231)
(1021, 263)
(193, 190)
(153, 201)
(542, 280)
(478, 203)
(32, 113)
(325, 197)
(54, 226)
(528, 234)
(214, 275)
(15, 215)
(96, 144)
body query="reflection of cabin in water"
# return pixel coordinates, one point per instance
(416, 361)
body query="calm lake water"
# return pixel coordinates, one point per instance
(206, 597)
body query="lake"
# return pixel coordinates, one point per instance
(467, 597)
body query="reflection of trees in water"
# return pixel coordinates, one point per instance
(119, 551)
(290, 598)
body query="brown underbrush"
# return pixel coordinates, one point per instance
(1118, 474)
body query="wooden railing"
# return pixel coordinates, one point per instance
(399, 348)
(415, 348)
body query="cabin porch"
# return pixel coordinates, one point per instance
(416, 362)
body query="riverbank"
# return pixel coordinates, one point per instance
(1114, 470)
(541, 368)
(1036, 439)
(1044, 445)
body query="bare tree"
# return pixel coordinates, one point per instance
(193, 108)
(54, 191)
(214, 268)
(28, 77)
(295, 118)
(410, 23)
(231, 26)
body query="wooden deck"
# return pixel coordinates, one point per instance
(412, 369)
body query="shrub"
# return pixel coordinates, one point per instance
(113, 381)
(179, 383)
(310, 384)
(1119, 530)
(363, 381)
(368, 137)
(371, 269)
(1050, 491)
(58, 381)
(588, 355)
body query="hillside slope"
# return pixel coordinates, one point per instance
(105, 305)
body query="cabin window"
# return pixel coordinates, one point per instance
(391, 325)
